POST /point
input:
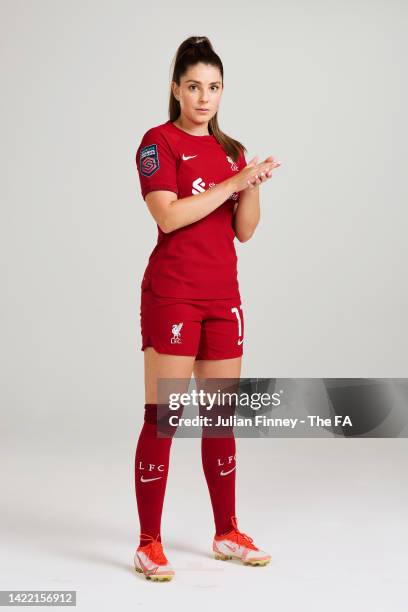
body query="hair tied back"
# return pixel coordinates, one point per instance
(202, 41)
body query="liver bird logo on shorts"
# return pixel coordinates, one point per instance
(149, 160)
(175, 330)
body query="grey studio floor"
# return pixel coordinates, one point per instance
(332, 513)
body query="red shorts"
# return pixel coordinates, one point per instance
(208, 329)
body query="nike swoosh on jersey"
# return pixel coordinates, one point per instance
(185, 157)
(149, 479)
(240, 341)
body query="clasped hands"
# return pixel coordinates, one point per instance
(263, 175)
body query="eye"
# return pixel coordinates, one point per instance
(212, 87)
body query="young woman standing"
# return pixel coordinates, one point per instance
(202, 194)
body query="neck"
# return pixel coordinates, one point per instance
(191, 127)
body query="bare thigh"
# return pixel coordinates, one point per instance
(212, 369)
(159, 365)
(217, 368)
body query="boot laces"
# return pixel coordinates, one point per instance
(240, 537)
(154, 549)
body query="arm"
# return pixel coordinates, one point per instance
(247, 213)
(247, 210)
(171, 214)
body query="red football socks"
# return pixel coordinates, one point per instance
(151, 469)
(218, 459)
(152, 465)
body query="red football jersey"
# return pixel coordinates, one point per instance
(198, 260)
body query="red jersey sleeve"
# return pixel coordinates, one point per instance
(156, 163)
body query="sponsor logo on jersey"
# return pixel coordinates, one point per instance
(149, 160)
(176, 330)
(198, 186)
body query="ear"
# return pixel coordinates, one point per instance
(174, 89)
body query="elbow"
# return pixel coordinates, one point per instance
(242, 240)
(245, 231)
(165, 226)
(244, 237)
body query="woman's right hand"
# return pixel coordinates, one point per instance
(249, 175)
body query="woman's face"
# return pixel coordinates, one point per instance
(200, 87)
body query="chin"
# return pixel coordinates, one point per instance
(202, 118)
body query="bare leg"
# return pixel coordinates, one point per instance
(218, 368)
(158, 365)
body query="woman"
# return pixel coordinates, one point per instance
(202, 194)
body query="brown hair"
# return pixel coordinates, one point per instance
(191, 51)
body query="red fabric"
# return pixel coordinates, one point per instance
(198, 260)
(151, 462)
(218, 455)
(208, 329)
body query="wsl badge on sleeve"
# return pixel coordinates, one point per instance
(149, 160)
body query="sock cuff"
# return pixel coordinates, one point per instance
(150, 415)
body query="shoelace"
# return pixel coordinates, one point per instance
(154, 549)
(241, 537)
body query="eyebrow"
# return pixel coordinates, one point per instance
(194, 81)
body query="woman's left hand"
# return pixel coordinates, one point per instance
(263, 177)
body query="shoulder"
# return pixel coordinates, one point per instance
(159, 135)
(155, 130)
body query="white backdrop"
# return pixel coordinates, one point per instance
(320, 86)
